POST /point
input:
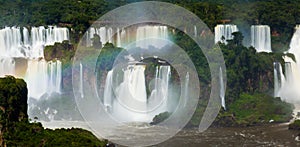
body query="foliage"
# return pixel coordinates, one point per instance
(249, 81)
(251, 109)
(16, 129)
(63, 51)
(295, 125)
(33, 134)
(282, 16)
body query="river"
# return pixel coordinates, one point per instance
(264, 135)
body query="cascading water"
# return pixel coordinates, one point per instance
(289, 90)
(122, 36)
(131, 96)
(144, 32)
(261, 38)
(26, 45)
(164, 75)
(43, 78)
(7, 66)
(108, 92)
(81, 80)
(224, 31)
(279, 78)
(222, 89)
(129, 101)
(186, 87)
(36, 78)
(17, 42)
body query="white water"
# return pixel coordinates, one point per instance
(289, 90)
(108, 91)
(123, 37)
(225, 31)
(7, 66)
(222, 89)
(18, 42)
(131, 96)
(279, 78)
(186, 87)
(145, 32)
(81, 80)
(129, 102)
(261, 38)
(43, 78)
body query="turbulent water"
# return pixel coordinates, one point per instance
(129, 101)
(290, 83)
(45, 78)
(22, 55)
(266, 135)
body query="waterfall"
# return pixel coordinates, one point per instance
(186, 89)
(36, 78)
(104, 34)
(146, 32)
(289, 90)
(278, 78)
(42, 77)
(222, 89)
(164, 75)
(224, 31)
(129, 100)
(261, 38)
(81, 80)
(55, 77)
(108, 91)
(7, 66)
(121, 38)
(16, 42)
(58, 82)
(130, 103)
(195, 31)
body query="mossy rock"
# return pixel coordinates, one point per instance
(295, 125)
(160, 118)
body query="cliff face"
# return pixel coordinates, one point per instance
(13, 103)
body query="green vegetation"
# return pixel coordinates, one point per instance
(62, 51)
(252, 109)
(160, 118)
(249, 74)
(249, 84)
(295, 125)
(16, 129)
(281, 15)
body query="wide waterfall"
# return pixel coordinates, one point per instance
(261, 38)
(22, 56)
(18, 42)
(144, 32)
(122, 37)
(129, 101)
(224, 31)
